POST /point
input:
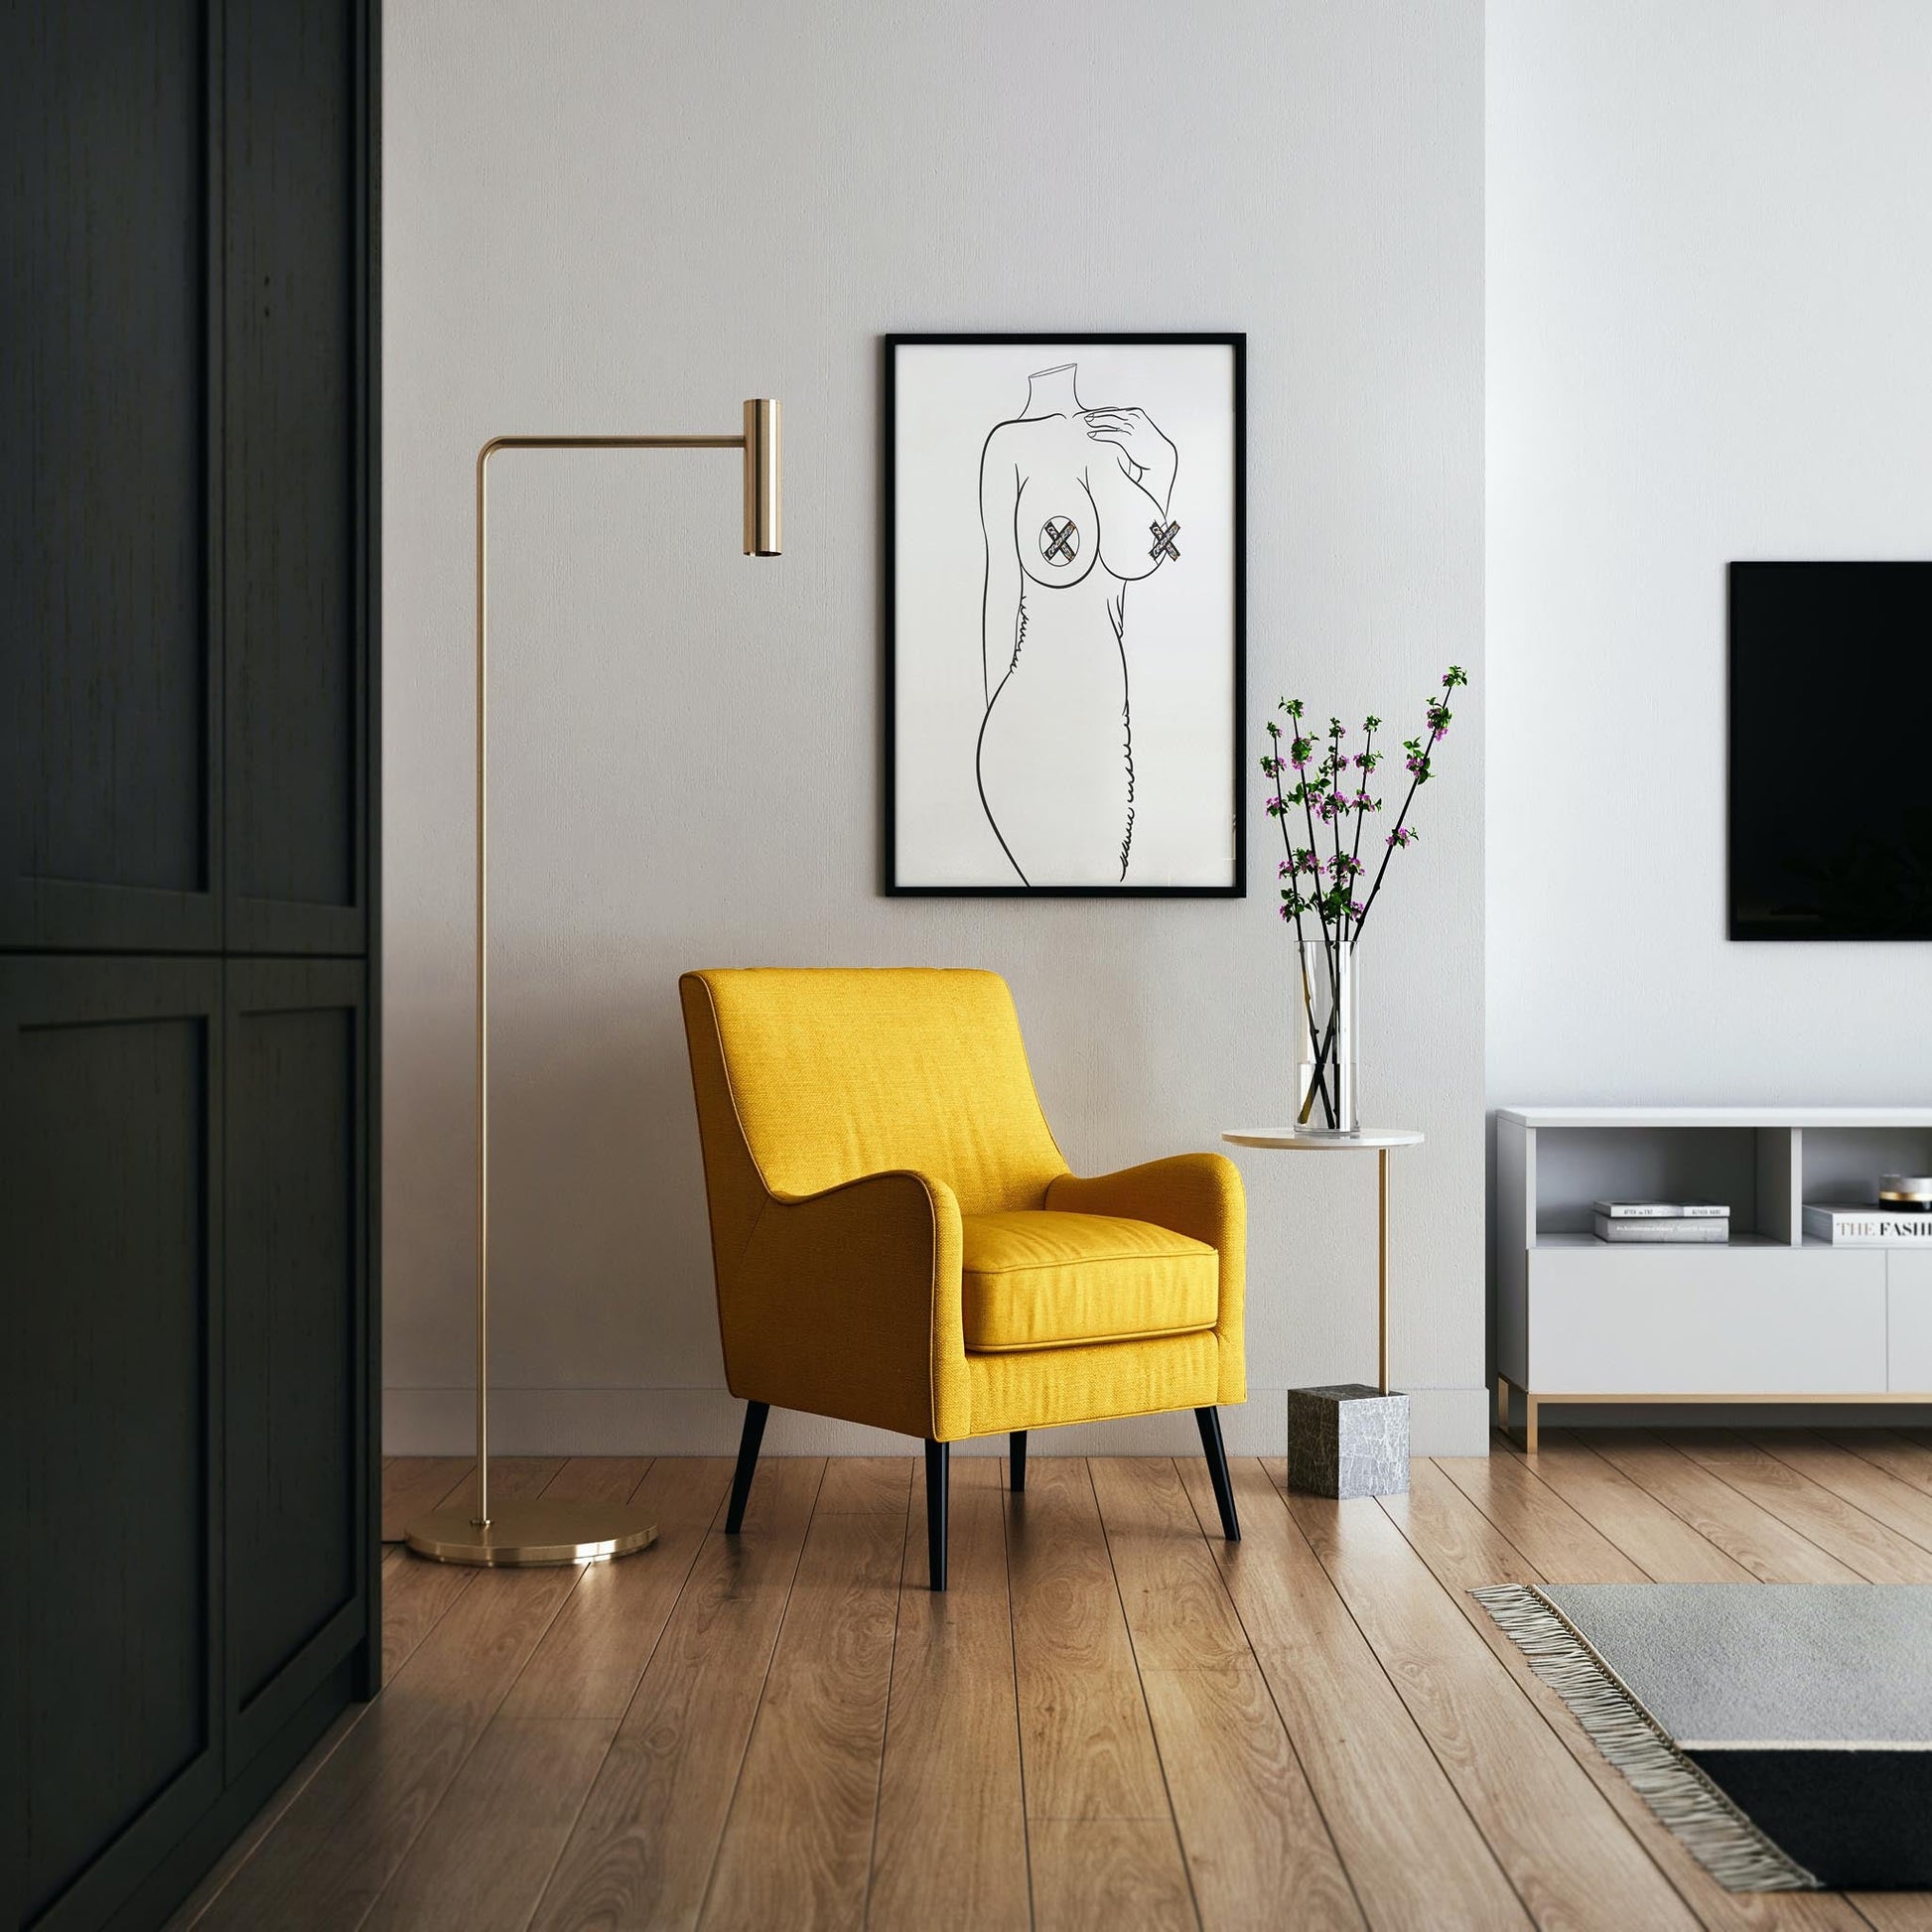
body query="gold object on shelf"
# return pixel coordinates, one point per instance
(536, 1531)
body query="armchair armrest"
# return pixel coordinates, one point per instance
(847, 1303)
(1195, 1194)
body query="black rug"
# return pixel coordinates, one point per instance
(1782, 1731)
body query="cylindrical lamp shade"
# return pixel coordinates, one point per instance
(762, 522)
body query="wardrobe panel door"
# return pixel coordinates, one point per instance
(297, 1259)
(109, 681)
(110, 1134)
(296, 636)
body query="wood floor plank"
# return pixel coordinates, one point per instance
(1895, 1911)
(1861, 1543)
(1250, 1829)
(335, 1847)
(515, 1476)
(328, 1860)
(1105, 1874)
(1087, 1741)
(1112, 1720)
(870, 1484)
(797, 1842)
(412, 1485)
(416, 1596)
(950, 1853)
(1888, 1450)
(1570, 1856)
(190, 1911)
(642, 1846)
(1179, 1616)
(482, 1862)
(1769, 1549)
(418, 1592)
(1411, 1850)
(599, 1478)
(1464, 1560)
(1881, 1495)
(1653, 1536)
(1562, 1544)
(1436, 1516)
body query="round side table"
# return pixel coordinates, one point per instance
(1346, 1439)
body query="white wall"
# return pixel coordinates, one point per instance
(600, 214)
(1709, 272)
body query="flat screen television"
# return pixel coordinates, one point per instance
(1831, 750)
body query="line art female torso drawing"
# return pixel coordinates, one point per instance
(1073, 507)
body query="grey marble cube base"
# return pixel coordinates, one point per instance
(1348, 1439)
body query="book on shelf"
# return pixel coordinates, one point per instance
(1867, 1227)
(1663, 1211)
(1658, 1232)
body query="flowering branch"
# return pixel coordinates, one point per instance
(1435, 723)
(1332, 890)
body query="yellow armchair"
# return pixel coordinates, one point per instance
(896, 1239)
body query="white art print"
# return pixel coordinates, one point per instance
(1065, 661)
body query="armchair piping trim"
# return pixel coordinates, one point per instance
(1082, 1261)
(1098, 1415)
(1088, 1341)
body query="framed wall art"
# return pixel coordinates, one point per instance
(1064, 606)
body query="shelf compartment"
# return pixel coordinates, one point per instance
(1751, 1169)
(1842, 1165)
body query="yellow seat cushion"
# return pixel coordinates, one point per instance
(1035, 1280)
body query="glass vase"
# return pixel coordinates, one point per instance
(1324, 1038)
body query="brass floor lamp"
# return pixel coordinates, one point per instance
(537, 1531)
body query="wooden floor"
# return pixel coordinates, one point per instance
(1112, 1720)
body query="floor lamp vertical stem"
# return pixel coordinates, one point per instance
(481, 1518)
(538, 1530)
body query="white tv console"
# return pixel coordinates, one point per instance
(1771, 1318)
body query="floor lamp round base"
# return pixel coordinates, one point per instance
(531, 1532)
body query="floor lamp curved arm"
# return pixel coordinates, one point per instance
(536, 1530)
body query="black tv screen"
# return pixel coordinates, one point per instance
(1831, 751)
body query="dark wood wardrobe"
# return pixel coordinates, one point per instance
(187, 928)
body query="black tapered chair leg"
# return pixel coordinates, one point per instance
(938, 1464)
(1017, 1460)
(747, 1462)
(1217, 1472)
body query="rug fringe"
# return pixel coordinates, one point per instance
(1711, 1828)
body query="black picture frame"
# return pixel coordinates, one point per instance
(1235, 342)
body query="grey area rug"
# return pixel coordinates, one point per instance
(1782, 1731)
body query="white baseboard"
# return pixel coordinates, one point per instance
(1449, 1422)
(706, 1422)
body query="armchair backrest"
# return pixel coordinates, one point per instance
(831, 1073)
